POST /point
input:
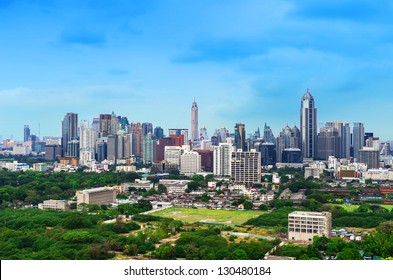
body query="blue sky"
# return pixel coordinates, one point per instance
(244, 61)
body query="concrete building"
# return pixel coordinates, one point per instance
(103, 195)
(54, 205)
(190, 163)
(180, 131)
(40, 167)
(357, 139)
(222, 155)
(345, 138)
(87, 143)
(246, 166)
(175, 186)
(149, 150)
(172, 154)
(369, 156)
(303, 226)
(378, 174)
(328, 142)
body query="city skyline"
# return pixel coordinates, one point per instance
(243, 61)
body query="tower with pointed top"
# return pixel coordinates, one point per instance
(308, 125)
(194, 121)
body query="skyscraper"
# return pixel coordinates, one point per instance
(240, 136)
(222, 155)
(194, 122)
(345, 138)
(149, 148)
(26, 133)
(246, 166)
(308, 125)
(328, 142)
(105, 125)
(158, 132)
(147, 128)
(69, 130)
(87, 143)
(357, 138)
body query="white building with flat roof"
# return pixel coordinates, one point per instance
(54, 205)
(303, 226)
(190, 163)
(103, 195)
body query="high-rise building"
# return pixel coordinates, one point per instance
(161, 144)
(147, 128)
(172, 154)
(96, 125)
(105, 125)
(127, 138)
(203, 134)
(26, 133)
(73, 148)
(158, 132)
(308, 125)
(268, 153)
(194, 122)
(345, 138)
(246, 166)
(179, 131)
(268, 135)
(328, 142)
(240, 137)
(222, 155)
(102, 150)
(289, 138)
(87, 143)
(357, 139)
(137, 137)
(115, 127)
(190, 163)
(370, 156)
(69, 131)
(149, 149)
(112, 148)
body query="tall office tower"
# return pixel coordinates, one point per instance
(87, 143)
(190, 163)
(345, 138)
(102, 150)
(161, 144)
(257, 134)
(147, 128)
(328, 142)
(127, 139)
(137, 137)
(158, 132)
(369, 156)
(120, 146)
(105, 125)
(112, 148)
(268, 134)
(224, 133)
(69, 130)
(374, 142)
(357, 139)
(194, 122)
(96, 125)
(26, 133)
(268, 153)
(124, 124)
(246, 166)
(308, 125)
(149, 149)
(203, 134)
(289, 138)
(240, 137)
(222, 155)
(73, 148)
(115, 127)
(367, 135)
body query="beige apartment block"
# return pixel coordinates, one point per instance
(104, 195)
(54, 204)
(303, 226)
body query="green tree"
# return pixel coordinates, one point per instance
(349, 254)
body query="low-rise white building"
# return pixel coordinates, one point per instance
(303, 226)
(378, 174)
(54, 205)
(103, 195)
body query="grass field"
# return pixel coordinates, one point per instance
(351, 208)
(191, 215)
